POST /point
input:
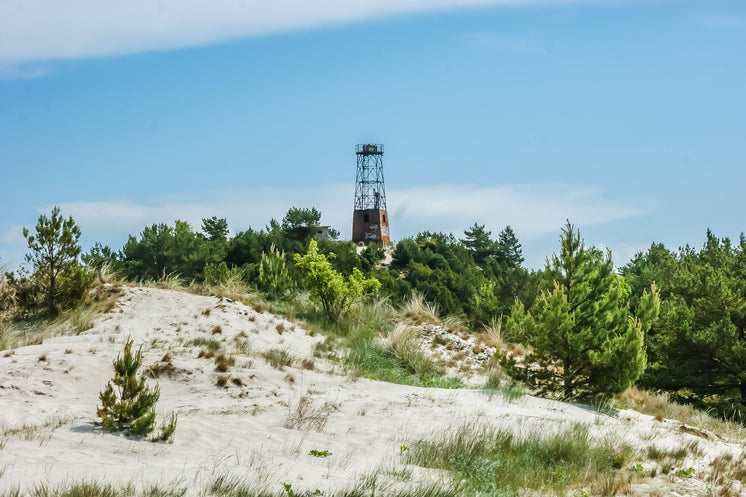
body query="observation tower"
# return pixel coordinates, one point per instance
(370, 222)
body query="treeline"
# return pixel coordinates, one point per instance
(476, 278)
(670, 320)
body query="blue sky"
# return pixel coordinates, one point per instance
(626, 117)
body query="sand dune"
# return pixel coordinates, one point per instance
(253, 428)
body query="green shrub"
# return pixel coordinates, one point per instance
(328, 287)
(127, 403)
(274, 279)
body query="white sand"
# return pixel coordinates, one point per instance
(245, 431)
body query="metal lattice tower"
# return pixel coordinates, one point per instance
(369, 189)
(370, 220)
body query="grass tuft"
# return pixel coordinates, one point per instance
(660, 406)
(278, 358)
(418, 310)
(484, 460)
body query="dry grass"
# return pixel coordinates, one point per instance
(404, 343)
(493, 333)
(306, 416)
(172, 281)
(233, 287)
(7, 297)
(456, 325)
(418, 311)
(223, 363)
(661, 407)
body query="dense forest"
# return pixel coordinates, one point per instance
(670, 320)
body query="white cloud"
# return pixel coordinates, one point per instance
(39, 30)
(536, 212)
(533, 211)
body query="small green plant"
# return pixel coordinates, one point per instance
(685, 473)
(636, 468)
(127, 403)
(403, 449)
(278, 358)
(167, 430)
(205, 342)
(319, 453)
(288, 489)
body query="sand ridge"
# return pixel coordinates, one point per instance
(263, 424)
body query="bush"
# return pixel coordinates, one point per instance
(328, 287)
(274, 279)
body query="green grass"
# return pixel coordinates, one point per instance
(489, 461)
(204, 342)
(97, 489)
(226, 486)
(370, 486)
(373, 361)
(278, 358)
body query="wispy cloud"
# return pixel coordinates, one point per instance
(536, 213)
(42, 30)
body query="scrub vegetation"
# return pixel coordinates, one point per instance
(671, 321)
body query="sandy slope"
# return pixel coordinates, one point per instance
(248, 431)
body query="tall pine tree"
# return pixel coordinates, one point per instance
(584, 340)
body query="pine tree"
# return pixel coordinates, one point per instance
(477, 241)
(584, 339)
(508, 250)
(698, 346)
(54, 258)
(127, 403)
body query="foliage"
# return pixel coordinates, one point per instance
(299, 224)
(491, 461)
(216, 274)
(274, 278)
(585, 340)
(698, 346)
(478, 243)
(57, 274)
(508, 251)
(163, 250)
(215, 229)
(101, 259)
(328, 287)
(373, 361)
(7, 297)
(127, 403)
(319, 453)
